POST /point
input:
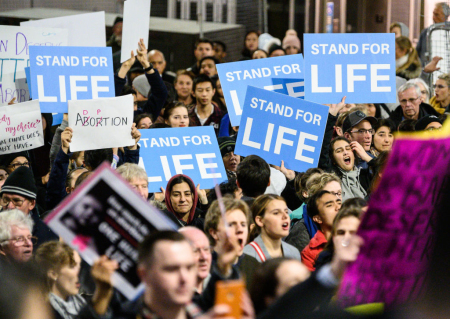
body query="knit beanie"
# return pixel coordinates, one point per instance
(140, 84)
(20, 182)
(291, 40)
(226, 145)
(7, 159)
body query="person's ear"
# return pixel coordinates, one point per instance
(347, 135)
(268, 183)
(52, 274)
(213, 233)
(258, 221)
(317, 219)
(68, 190)
(141, 272)
(33, 204)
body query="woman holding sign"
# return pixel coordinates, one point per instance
(271, 217)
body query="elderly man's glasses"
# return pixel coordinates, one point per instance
(21, 240)
(411, 100)
(17, 202)
(17, 165)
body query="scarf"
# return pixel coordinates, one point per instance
(401, 61)
(67, 309)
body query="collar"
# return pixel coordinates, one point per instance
(401, 61)
(212, 110)
(318, 240)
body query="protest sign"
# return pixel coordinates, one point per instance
(269, 118)
(14, 57)
(85, 30)
(399, 227)
(280, 74)
(70, 73)
(136, 24)
(105, 216)
(101, 123)
(360, 66)
(20, 127)
(192, 151)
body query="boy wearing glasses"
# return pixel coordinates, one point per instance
(358, 129)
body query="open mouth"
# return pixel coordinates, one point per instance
(347, 160)
(240, 241)
(285, 225)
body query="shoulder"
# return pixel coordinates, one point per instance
(290, 251)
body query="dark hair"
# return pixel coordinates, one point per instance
(128, 89)
(94, 158)
(81, 178)
(223, 45)
(209, 58)
(355, 202)
(246, 52)
(378, 165)
(179, 180)
(302, 178)
(384, 122)
(160, 125)
(203, 40)
(228, 187)
(313, 208)
(147, 246)
(331, 151)
(172, 106)
(265, 282)
(139, 117)
(407, 126)
(201, 79)
(253, 175)
(275, 47)
(70, 176)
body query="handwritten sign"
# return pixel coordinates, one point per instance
(101, 123)
(85, 30)
(280, 74)
(20, 127)
(105, 216)
(70, 73)
(360, 66)
(279, 127)
(399, 227)
(136, 21)
(14, 57)
(192, 151)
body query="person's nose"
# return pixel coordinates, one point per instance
(11, 205)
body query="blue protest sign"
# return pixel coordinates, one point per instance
(279, 127)
(280, 74)
(360, 66)
(60, 74)
(192, 151)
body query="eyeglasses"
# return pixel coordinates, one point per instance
(362, 132)
(411, 100)
(17, 202)
(440, 86)
(434, 129)
(424, 92)
(337, 194)
(17, 165)
(20, 241)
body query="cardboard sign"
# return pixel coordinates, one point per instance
(192, 151)
(14, 57)
(101, 123)
(360, 66)
(85, 30)
(399, 227)
(279, 127)
(280, 74)
(70, 73)
(105, 216)
(20, 127)
(136, 24)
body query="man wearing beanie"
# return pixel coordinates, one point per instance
(19, 191)
(230, 160)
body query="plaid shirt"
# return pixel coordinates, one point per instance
(192, 311)
(214, 119)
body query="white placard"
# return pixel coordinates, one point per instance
(14, 57)
(136, 20)
(85, 30)
(101, 123)
(20, 127)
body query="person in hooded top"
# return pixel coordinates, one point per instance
(181, 197)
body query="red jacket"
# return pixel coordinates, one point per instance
(312, 251)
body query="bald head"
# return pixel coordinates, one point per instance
(156, 58)
(202, 249)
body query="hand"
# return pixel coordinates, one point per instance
(101, 272)
(126, 66)
(335, 108)
(248, 311)
(356, 147)
(136, 135)
(202, 195)
(142, 54)
(432, 66)
(66, 117)
(290, 174)
(159, 197)
(66, 139)
(227, 250)
(12, 101)
(45, 179)
(346, 250)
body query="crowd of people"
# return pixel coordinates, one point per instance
(288, 235)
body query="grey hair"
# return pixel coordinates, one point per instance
(13, 217)
(408, 85)
(419, 80)
(445, 8)
(131, 171)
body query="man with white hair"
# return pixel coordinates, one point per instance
(16, 241)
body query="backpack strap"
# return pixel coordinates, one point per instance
(258, 251)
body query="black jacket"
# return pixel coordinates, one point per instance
(424, 110)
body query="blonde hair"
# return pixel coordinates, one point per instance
(318, 181)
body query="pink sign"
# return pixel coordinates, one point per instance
(399, 227)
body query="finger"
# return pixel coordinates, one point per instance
(282, 164)
(132, 55)
(343, 99)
